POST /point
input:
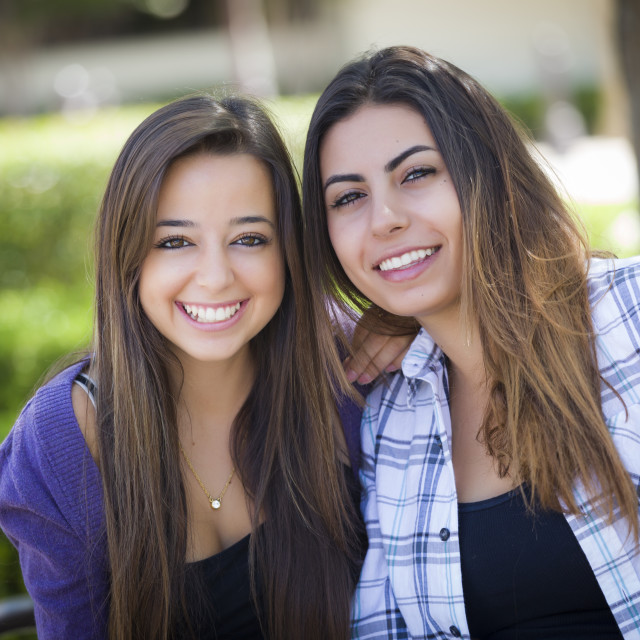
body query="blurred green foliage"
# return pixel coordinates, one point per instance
(52, 174)
(529, 109)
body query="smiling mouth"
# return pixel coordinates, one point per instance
(407, 259)
(209, 314)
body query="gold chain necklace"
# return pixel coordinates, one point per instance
(215, 503)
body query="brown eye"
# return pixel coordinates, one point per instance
(174, 242)
(251, 240)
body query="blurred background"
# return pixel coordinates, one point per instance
(76, 76)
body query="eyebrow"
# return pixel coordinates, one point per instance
(251, 220)
(175, 223)
(395, 162)
(389, 167)
(234, 222)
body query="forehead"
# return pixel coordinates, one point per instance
(220, 164)
(211, 180)
(373, 132)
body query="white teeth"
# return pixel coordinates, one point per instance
(397, 262)
(209, 314)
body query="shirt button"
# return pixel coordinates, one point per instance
(444, 536)
(455, 632)
(438, 440)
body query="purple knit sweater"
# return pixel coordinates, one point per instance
(51, 509)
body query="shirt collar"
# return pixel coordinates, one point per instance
(423, 357)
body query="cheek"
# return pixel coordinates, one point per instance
(341, 240)
(347, 238)
(145, 285)
(158, 274)
(269, 279)
(279, 281)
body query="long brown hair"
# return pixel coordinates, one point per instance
(524, 275)
(304, 556)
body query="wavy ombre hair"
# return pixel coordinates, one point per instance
(524, 275)
(305, 553)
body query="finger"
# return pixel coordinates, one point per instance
(397, 347)
(360, 336)
(387, 358)
(360, 363)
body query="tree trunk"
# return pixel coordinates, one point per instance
(628, 28)
(251, 48)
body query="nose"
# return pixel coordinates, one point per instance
(214, 270)
(387, 218)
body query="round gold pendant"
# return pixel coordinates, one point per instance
(215, 504)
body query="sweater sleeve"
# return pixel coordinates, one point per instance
(50, 509)
(350, 415)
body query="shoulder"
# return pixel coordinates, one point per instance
(85, 414)
(45, 464)
(614, 294)
(614, 281)
(614, 288)
(44, 419)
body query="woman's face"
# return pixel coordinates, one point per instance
(393, 213)
(215, 274)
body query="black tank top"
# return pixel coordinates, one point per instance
(219, 596)
(526, 577)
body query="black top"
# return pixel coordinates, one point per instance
(219, 596)
(526, 577)
(218, 589)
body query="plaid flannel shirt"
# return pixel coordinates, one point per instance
(411, 581)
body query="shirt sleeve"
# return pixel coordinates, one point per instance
(49, 521)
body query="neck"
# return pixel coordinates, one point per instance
(212, 394)
(460, 342)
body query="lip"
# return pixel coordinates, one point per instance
(213, 325)
(409, 262)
